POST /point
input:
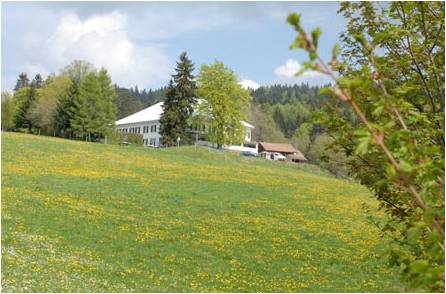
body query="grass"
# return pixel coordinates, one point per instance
(83, 217)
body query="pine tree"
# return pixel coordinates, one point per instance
(25, 97)
(83, 111)
(22, 81)
(106, 109)
(179, 102)
(38, 81)
(93, 111)
(169, 117)
(66, 110)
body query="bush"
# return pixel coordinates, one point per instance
(114, 137)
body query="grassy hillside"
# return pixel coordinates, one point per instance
(89, 217)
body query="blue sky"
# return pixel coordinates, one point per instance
(139, 42)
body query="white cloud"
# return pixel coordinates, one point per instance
(286, 74)
(289, 69)
(249, 84)
(102, 40)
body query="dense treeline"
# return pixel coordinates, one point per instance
(131, 100)
(76, 103)
(287, 114)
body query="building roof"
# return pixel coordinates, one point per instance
(297, 156)
(247, 125)
(278, 147)
(147, 114)
(153, 113)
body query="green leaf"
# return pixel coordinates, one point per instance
(315, 34)
(313, 55)
(378, 111)
(405, 166)
(326, 90)
(379, 37)
(294, 20)
(335, 51)
(390, 171)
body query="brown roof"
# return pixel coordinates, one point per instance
(278, 147)
(298, 156)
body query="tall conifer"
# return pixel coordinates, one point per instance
(22, 82)
(179, 103)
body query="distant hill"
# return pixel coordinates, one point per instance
(131, 100)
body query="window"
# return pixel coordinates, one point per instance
(153, 128)
(145, 129)
(152, 142)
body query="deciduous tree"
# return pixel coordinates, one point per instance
(225, 103)
(391, 74)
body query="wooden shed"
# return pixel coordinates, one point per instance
(286, 149)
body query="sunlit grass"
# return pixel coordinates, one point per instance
(82, 217)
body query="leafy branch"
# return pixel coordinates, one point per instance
(316, 63)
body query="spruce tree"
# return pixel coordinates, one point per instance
(179, 102)
(22, 81)
(38, 81)
(106, 109)
(25, 97)
(169, 117)
(93, 111)
(66, 110)
(83, 111)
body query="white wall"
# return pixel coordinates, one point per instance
(147, 137)
(156, 136)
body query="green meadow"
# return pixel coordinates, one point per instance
(88, 217)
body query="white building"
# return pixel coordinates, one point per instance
(146, 122)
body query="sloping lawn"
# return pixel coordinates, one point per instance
(85, 217)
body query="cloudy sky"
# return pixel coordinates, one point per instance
(139, 42)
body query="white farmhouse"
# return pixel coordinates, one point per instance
(146, 122)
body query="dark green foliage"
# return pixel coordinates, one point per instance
(266, 129)
(38, 81)
(22, 81)
(153, 96)
(286, 94)
(126, 103)
(65, 111)
(147, 98)
(81, 113)
(93, 111)
(178, 103)
(24, 99)
(169, 119)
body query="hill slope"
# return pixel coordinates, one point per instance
(89, 217)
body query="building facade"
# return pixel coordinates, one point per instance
(146, 122)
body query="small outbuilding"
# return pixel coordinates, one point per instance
(284, 148)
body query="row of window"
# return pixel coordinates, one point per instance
(151, 142)
(152, 129)
(195, 127)
(137, 130)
